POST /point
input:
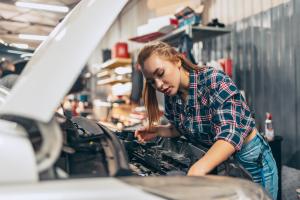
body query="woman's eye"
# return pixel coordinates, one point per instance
(161, 73)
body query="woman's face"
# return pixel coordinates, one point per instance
(162, 74)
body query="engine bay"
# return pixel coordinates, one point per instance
(91, 149)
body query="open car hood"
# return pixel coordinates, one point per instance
(58, 61)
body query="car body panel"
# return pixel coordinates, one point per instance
(87, 189)
(208, 187)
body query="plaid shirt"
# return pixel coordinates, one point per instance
(214, 110)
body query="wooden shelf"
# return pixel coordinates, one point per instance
(103, 73)
(116, 62)
(112, 81)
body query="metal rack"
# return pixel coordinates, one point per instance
(196, 33)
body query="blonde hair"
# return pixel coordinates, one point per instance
(169, 53)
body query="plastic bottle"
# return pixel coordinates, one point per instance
(269, 131)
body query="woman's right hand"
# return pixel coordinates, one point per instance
(145, 134)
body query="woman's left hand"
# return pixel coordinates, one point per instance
(218, 153)
(196, 170)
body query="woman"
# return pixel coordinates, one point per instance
(205, 106)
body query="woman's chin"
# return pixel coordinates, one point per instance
(171, 93)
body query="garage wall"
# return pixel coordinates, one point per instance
(265, 47)
(134, 14)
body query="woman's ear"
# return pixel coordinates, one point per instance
(178, 63)
(138, 67)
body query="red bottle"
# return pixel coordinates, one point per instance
(121, 50)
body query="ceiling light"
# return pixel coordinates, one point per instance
(20, 46)
(32, 37)
(40, 6)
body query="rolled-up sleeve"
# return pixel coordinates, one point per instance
(226, 122)
(226, 118)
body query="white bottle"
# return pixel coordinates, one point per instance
(269, 131)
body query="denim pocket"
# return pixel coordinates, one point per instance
(250, 157)
(250, 152)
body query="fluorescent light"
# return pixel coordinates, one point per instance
(20, 46)
(40, 6)
(32, 37)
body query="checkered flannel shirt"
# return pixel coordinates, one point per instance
(214, 110)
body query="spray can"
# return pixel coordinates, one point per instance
(269, 131)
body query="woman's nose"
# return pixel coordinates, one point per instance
(158, 83)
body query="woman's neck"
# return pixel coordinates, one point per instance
(184, 83)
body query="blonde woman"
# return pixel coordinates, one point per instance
(205, 106)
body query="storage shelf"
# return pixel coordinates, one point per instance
(112, 81)
(197, 33)
(147, 37)
(115, 62)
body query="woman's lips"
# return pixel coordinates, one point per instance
(167, 91)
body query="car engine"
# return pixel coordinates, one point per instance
(91, 149)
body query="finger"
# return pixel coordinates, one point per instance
(139, 137)
(140, 140)
(136, 133)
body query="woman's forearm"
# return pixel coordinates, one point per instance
(218, 153)
(167, 131)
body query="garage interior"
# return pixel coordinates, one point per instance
(256, 43)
